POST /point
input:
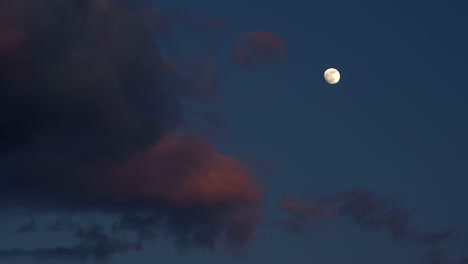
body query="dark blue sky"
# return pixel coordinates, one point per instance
(396, 124)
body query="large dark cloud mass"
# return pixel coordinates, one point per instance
(89, 114)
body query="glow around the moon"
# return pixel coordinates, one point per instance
(332, 76)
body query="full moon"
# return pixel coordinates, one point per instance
(332, 76)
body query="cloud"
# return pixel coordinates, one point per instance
(30, 226)
(88, 82)
(143, 224)
(436, 256)
(464, 260)
(436, 237)
(258, 48)
(199, 176)
(62, 224)
(93, 124)
(304, 214)
(93, 243)
(370, 212)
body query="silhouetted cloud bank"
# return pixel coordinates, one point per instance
(90, 111)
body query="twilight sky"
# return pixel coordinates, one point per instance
(203, 132)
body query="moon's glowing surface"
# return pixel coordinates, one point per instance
(332, 76)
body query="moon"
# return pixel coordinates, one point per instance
(332, 76)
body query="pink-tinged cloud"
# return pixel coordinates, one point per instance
(193, 181)
(258, 48)
(184, 171)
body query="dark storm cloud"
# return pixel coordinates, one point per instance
(258, 48)
(89, 112)
(88, 79)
